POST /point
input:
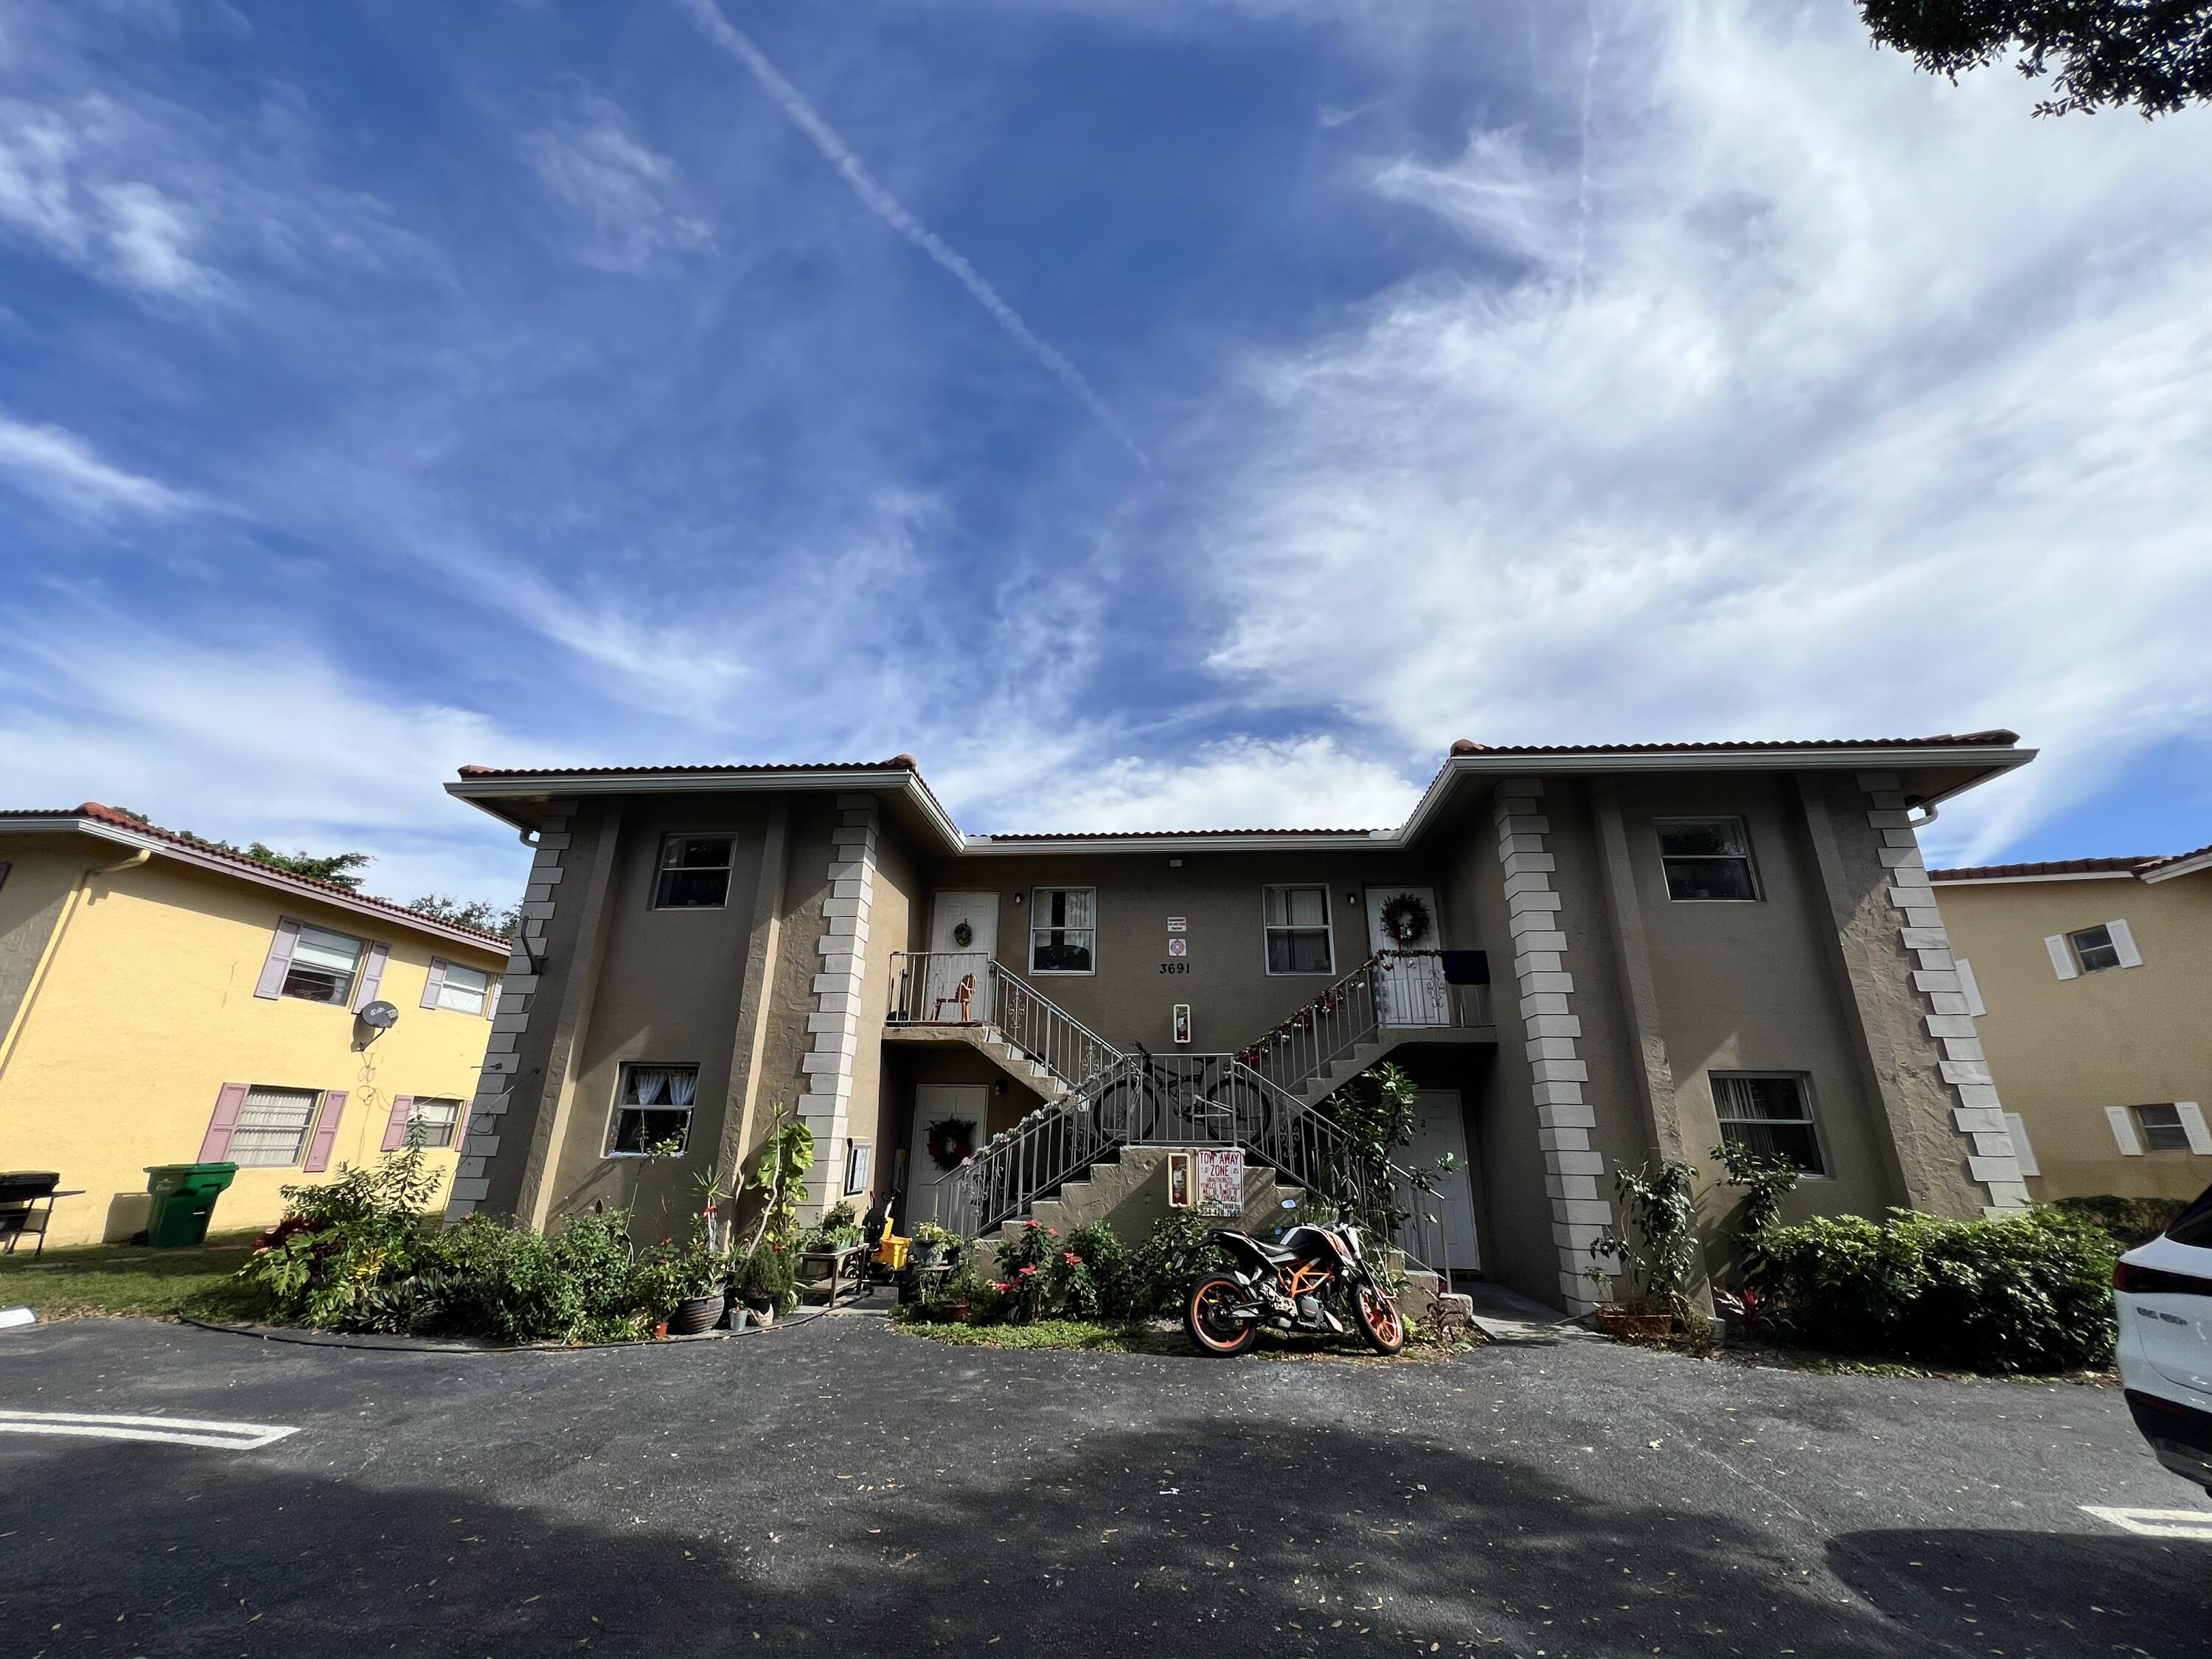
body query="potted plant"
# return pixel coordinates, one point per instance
(962, 1292)
(764, 1280)
(1660, 1204)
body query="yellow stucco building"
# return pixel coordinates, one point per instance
(165, 1001)
(2092, 982)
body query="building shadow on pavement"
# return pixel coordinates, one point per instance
(2029, 1593)
(1235, 1538)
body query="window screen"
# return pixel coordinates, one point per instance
(272, 1127)
(1297, 931)
(1706, 858)
(694, 873)
(323, 966)
(1770, 1113)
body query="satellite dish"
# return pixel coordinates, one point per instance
(380, 1016)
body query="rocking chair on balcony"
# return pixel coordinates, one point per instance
(962, 994)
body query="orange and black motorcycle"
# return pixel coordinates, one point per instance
(1314, 1280)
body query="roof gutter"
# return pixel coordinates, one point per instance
(483, 792)
(1991, 757)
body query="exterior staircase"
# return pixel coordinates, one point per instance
(1107, 1117)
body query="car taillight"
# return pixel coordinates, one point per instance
(2157, 1281)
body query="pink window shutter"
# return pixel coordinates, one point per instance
(372, 977)
(229, 1102)
(435, 983)
(280, 959)
(326, 1131)
(395, 1127)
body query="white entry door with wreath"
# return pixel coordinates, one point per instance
(951, 1115)
(963, 933)
(1411, 989)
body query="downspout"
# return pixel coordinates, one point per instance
(47, 957)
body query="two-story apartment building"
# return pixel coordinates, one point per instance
(2092, 981)
(1586, 956)
(164, 1002)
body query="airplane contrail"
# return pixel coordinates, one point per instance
(725, 34)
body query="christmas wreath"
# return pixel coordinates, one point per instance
(951, 1142)
(962, 934)
(1406, 919)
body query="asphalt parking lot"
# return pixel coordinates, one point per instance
(840, 1488)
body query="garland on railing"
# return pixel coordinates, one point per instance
(1303, 1021)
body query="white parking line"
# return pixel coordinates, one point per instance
(2157, 1523)
(176, 1430)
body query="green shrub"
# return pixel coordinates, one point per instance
(1100, 1282)
(2031, 1293)
(2132, 1221)
(1171, 1256)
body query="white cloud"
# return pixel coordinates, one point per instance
(1879, 407)
(1248, 783)
(67, 472)
(263, 740)
(624, 199)
(61, 188)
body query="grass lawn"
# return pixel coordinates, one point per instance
(94, 1280)
(1161, 1337)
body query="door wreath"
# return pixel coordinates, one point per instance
(1405, 919)
(962, 934)
(951, 1142)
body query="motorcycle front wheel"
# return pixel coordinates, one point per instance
(1377, 1315)
(1209, 1317)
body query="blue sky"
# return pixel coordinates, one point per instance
(1149, 413)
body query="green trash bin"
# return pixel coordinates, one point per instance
(184, 1198)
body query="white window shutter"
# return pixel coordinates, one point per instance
(2062, 956)
(434, 982)
(2124, 1131)
(2192, 1120)
(2124, 941)
(2021, 1149)
(1971, 992)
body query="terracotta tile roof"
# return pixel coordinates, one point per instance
(255, 870)
(2174, 858)
(1996, 735)
(2049, 867)
(896, 763)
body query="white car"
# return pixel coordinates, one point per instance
(2163, 1292)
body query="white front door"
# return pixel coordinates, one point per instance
(1440, 1129)
(959, 974)
(966, 1104)
(1411, 989)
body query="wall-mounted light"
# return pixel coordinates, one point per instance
(1352, 898)
(1017, 898)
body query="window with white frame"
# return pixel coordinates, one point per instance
(272, 1127)
(324, 966)
(694, 874)
(1063, 930)
(1298, 927)
(432, 1122)
(1707, 859)
(464, 989)
(1770, 1113)
(652, 1110)
(2162, 1129)
(2093, 949)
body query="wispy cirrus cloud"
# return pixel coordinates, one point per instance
(64, 470)
(1873, 407)
(624, 200)
(68, 186)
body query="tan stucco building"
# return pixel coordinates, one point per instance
(163, 1000)
(2092, 979)
(1586, 956)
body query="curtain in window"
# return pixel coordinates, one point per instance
(682, 1087)
(645, 1087)
(1074, 908)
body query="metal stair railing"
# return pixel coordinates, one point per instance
(1392, 990)
(980, 994)
(1174, 1100)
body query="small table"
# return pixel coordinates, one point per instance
(18, 1212)
(837, 1260)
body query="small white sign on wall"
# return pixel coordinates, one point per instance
(1176, 924)
(1178, 947)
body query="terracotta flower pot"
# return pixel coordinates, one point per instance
(956, 1312)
